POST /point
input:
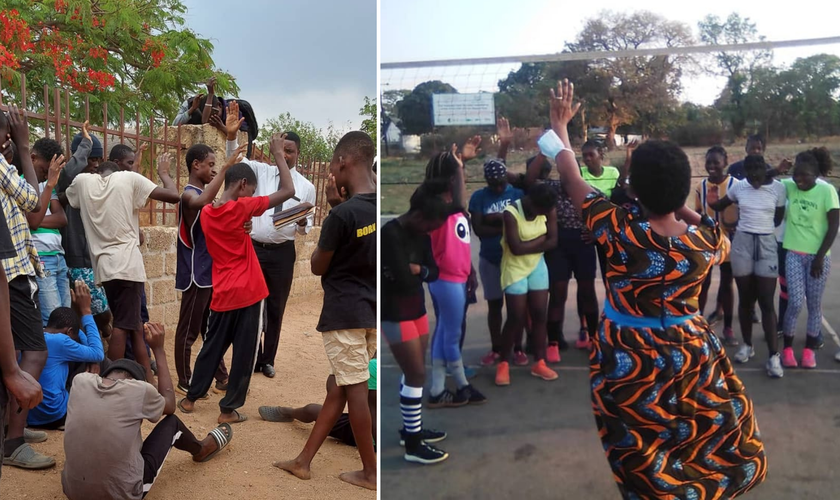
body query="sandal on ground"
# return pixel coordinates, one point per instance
(181, 406)
(31, 436)
(273, 414)
(222, 435)
(220, 387)
(25, 457)
(239, 417)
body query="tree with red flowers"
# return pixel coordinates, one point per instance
(130, 54)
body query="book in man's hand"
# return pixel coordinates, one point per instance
(292, 215)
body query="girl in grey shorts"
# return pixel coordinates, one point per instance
(754, 257)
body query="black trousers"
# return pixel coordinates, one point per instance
(168, 433)
(194, 302)
(278, 267)
(240, 328)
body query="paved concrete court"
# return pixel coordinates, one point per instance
(537, 439)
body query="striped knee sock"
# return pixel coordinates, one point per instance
(411, 399)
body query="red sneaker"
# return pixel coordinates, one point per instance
(809, 360)
(552, 354)
(520, 358)
(539, 369)
(583, 344)
(503, 373)
(490, 359)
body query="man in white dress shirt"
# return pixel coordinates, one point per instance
(275, 247)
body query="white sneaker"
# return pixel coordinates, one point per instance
(774, 366)
(745, 352)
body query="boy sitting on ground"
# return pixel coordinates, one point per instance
(346, 261)
(238, 284)
(309, 413)
(106, 455)
(66, 343)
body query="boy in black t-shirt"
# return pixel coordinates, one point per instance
(346, 261)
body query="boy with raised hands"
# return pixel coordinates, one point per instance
(193, 276)
(238, 284)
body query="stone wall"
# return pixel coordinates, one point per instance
(159, 248)
(160, 260)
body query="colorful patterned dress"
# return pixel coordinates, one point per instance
(674, 419)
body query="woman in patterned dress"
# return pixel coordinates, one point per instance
(674, 419)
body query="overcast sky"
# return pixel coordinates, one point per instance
(441, 29)
(316, 60)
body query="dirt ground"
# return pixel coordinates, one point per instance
(244, 469)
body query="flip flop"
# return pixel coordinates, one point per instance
(222, 439)
(181, 406)
(273, 414)
(239, 418)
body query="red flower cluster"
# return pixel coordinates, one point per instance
(154, 49)
(99, 53)
(71, 59)
(7, 59)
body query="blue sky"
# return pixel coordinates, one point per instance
(438, 29)
(316, 60)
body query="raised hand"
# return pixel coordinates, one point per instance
(8, 150)
(211, 85)
(415, 269)
(196, 102)
(216, 121)
(458, 157)
(503, 129)
(276, 145)
(236, 157)
(86, 130)
(155, 334)
(19, 126)
(163, 164)
(470, 149)
(56, 166)
(233, 122)
(80, 297)
(562, 109)
(632, 145)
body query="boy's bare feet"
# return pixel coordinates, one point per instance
(358, 478)
(293, 467)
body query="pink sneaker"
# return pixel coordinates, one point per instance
(789, 359)
(809, 360)
(552, 354)
(729, 337)
(520, 358)
(582, 344)
(489, 359)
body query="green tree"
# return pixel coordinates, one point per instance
(136, 55)
(738, 67)
(315, 144)
(640, 90)
(390, 98)
(415, 109)
(368, 112)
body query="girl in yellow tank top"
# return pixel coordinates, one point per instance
(530, 228)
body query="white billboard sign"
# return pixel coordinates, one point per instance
(463, 109)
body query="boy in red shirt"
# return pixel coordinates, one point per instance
(238, 284)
